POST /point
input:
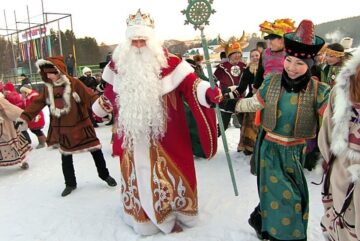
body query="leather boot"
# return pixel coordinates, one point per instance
(67, 190)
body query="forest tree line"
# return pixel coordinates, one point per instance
(88, 51)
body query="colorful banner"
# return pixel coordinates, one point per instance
(35, 49)
(34, 33)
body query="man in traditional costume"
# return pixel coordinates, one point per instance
(147, 86)
(70, 127)
(229, 73)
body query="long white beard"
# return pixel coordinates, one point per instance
(138, 84)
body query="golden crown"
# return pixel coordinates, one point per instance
(140, 19)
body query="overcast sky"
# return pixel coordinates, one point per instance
(106, 19)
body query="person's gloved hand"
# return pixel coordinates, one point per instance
(105, 104)
(228, 92)
(229, 89)
(214, 96)
(102, 107)
(21, 124)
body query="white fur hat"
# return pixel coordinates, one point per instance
(86, 69)
(347, 42)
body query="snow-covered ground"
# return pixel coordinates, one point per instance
(31, 208)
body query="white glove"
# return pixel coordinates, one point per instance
(102, 107)
(232, 88)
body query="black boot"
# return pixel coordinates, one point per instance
(256, 222)
(110, 181)
(67, 190)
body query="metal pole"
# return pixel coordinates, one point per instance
(12, 44)
(73, 48)
(60, 42)
(42, 39)
(42, 10)
(30, 68)
(218, 113)
(17, 35)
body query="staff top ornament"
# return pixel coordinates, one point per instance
(198, 12)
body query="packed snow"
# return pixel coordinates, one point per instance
(32, 209)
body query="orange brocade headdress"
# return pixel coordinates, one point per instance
(278, 27)
(233, 45)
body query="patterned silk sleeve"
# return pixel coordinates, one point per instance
(323, 95)
(248, 105)
(257, 102)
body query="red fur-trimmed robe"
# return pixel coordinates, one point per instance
(159, 184)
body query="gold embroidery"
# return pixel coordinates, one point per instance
(285, 221)
(170, 188)
(203, 116)
(274, 205)
(298, 207)
(287, 194)
(273, 231)
(129, 189)
(273, 179)
(296, 233)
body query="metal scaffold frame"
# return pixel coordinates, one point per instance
(29, 30)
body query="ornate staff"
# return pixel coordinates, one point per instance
(197, 13)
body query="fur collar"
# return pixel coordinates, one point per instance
(66, 97)
(342, 110)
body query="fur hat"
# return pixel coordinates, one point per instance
(51, 65)
(347, 42)
(139, 26)
(198, 58)
(86, 69)
(336, 50)
(26, 88)
(303, 43)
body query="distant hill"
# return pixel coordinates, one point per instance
(334, 31)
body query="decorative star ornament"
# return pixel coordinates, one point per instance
(198, 13)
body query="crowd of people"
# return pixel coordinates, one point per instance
(297, 99)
